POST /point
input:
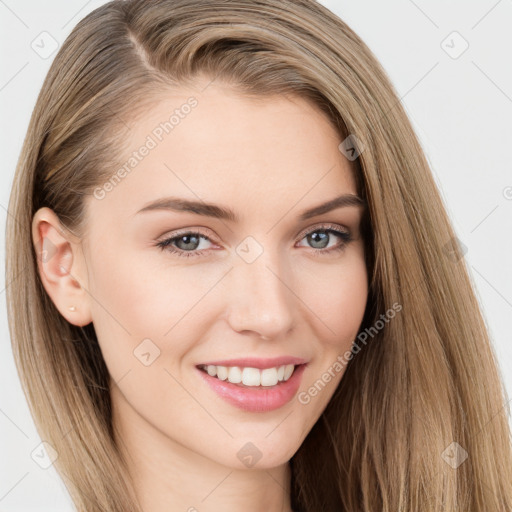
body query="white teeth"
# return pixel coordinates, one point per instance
(288, 371)
(234, 375)
(269, 377)
(222, 372)
(251, 376)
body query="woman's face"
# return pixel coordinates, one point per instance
(265, 283)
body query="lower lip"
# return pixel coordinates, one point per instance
(256, 399)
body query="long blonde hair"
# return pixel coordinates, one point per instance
(427, 380)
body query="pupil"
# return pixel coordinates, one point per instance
(193, 240)
(324, 238)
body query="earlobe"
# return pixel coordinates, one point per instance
(59, 261)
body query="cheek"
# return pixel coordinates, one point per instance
(141, 296)
(336, 297)
(146, 323)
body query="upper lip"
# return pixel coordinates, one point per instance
(257, 362)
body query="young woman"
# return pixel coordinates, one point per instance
(237, 287)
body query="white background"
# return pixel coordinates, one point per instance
(460, 107)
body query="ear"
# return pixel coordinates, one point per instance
(61, 266)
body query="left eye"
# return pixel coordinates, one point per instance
(322, 237)
(187, 244)
(191, 242)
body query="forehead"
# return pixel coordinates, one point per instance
(216, 144)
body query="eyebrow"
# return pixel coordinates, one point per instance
(219, 212)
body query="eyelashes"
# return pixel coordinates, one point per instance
(194, 238)
(166, 245)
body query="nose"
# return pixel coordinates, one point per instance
(260, 299)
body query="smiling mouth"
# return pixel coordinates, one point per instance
(250, 377)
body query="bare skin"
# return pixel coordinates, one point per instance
(268, 160)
